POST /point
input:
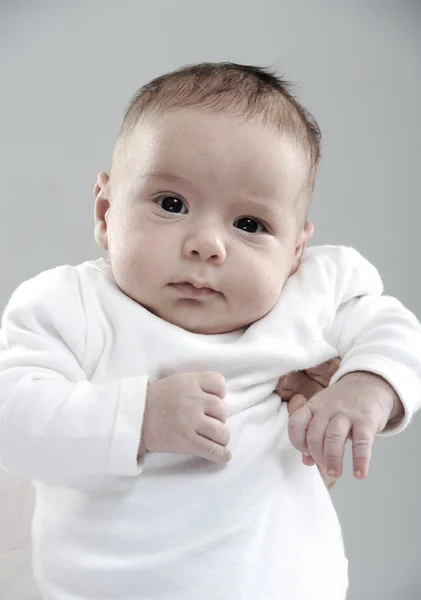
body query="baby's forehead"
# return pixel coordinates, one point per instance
(190, 140)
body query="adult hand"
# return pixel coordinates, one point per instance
(306, 383)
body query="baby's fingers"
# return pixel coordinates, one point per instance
(316, 433)
(334, 448)
(362, 442)
(308, 461)
(214, 430)
(206, 448)
(297, 428)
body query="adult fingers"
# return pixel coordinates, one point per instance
(328, 481)
(322, 374)
(296, 403)
(297, 383)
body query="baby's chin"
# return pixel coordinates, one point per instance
(212, 323)
(206, 326)
(201, 322)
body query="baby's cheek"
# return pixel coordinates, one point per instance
(261, 298)
(274, 289)
(270, 299)
(126, 271)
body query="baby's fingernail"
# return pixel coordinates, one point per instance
(306, 454)
(358, 474)
(331, 473)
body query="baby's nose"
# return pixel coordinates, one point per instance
(206, 246)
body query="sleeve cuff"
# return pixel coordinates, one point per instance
(128, 427)
(397, 375)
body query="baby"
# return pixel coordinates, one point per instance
(137, 390)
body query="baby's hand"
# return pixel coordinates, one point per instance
(186, 414)
(358, 407)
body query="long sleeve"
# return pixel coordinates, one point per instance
(380, 336)
(55, 425)
(376, 333)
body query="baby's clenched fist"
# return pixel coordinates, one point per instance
(186, 414)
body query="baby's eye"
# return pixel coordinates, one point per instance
(249, 225)
(172, 204)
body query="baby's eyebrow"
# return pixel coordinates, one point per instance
(261, 205)
(163, 175)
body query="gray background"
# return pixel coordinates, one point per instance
(69, 68)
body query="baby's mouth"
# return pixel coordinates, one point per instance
(192, 289)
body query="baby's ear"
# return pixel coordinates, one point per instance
(102, 205)
(101, 184)
(304, 237)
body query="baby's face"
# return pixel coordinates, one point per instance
(200, 218)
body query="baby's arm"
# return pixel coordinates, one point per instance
(378, 335)
(57, 426)
(378, 386)
(357, 406)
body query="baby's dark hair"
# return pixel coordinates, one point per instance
(239, 90)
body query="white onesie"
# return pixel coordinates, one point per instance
(76, 356)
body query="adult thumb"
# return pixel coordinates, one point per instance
(296, 402)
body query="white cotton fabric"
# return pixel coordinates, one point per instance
(76, 356)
